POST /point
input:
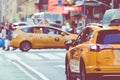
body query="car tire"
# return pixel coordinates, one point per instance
(25, 46)
(68, 72)
(83, 75)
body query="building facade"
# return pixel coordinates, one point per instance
(8, 10)
(2, 10)
(16, 10)
(26, 8)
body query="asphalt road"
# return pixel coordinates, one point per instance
(43, 64)
(39, 64)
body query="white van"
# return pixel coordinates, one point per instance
(51, 17)
(110, 15)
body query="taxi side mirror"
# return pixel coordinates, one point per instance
(62, 34)
(68, 43)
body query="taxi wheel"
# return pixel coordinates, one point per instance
(68, 72)
(83, 75)
(25, 46)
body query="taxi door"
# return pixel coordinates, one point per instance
(55, 38)
(39, 40)
(58, 40)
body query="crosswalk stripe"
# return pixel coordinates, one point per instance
(60, 54)
(60, 66)
(13, 56)
(33, 56)
(50, 56)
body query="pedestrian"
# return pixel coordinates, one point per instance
(9, 37)
(74, 25)
(3, 32)
(66, 26)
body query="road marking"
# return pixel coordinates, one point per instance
(48, 50)
(60, 66)
(52, 62)
(33, 56)
(23, 70)
(33, 70)
(60, 54)
(50, 56)
(12, 56)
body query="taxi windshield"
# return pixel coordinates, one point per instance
(109, 37)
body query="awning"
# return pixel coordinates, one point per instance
(88, 3)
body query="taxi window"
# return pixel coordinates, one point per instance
(79, 38)
(47, 30)
(32, 30)
(84, 36)
(27, 30)
(88, 34)
(109, 37)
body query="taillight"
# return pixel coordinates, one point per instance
(99, 47)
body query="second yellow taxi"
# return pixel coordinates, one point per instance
(95, 52)
(41, 36)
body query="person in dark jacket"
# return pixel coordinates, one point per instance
(9, 37)
(4, 33)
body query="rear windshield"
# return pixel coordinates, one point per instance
(109, 37)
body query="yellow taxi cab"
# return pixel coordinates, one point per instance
(95, 52)
(39, 36)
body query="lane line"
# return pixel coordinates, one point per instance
(42, 76)
(60, 54)
(12, 56)
(60, 66)
(23, 70)
(33, 56)
(50, 56)
(52, 62)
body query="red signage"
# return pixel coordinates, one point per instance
(54, 7)
(70, 8)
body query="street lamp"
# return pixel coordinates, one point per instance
(112, 4)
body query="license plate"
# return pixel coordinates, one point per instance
(117, 52)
